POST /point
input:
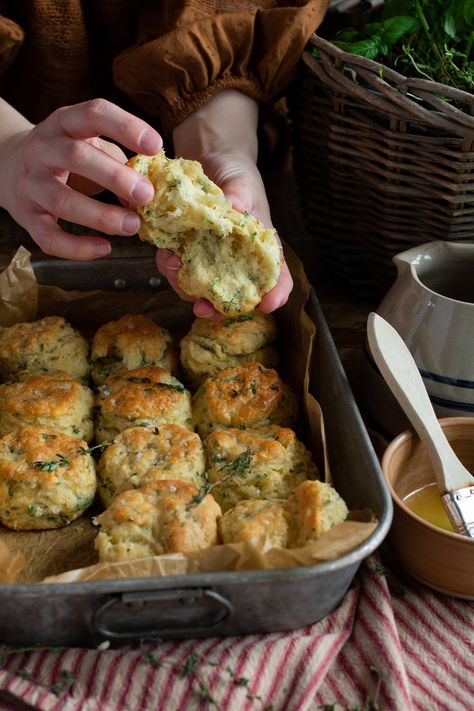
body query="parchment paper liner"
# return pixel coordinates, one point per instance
(67, 554)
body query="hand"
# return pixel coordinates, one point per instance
(242, 184)
(222, 136)
(49, 171)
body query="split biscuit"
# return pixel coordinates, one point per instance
(264, 463)
(245, 396)
(141, 455)
(313, 509)
(132, 341)
(165, 517)
(48, 344)
(47, 479)
(211, 346)
(227, 257)
(144, 396)
(51, 399)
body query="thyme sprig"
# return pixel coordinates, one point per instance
(190, 668)
(66, 678)
(238, 319)
(54, 464)
(100, 447)
(235, 466)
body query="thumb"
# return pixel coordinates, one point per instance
(238, 191)
(249, 195)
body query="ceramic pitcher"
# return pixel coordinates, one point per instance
(431, 305)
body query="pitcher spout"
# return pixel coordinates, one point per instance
(436, 252)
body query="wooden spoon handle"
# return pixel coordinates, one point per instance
(401, 374)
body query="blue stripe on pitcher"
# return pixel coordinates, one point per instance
(452, 404)
(444, 379)
(458, 382)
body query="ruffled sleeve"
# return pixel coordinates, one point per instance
(196, 48)
(11, 39)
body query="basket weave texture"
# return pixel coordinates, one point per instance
(382, 163)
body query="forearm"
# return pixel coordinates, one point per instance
(11, 122)
(225, 125)
(12, 127)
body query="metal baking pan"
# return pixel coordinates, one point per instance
(202, 605)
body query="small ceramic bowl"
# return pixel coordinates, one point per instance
(434, 556)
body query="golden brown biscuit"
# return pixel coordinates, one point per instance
(255, 521)
(48, 344)
(133, 341)
(155, 519)
(51, 399)
(47, 479)
(246, 396)
(227, 256)
(312, 509)
(140, 456)
(264, 463)
(144, 396)
(211, 346)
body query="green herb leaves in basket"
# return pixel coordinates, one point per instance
(432, 39)
(376, 39)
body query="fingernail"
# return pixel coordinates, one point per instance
(102, 249)
(203, 311)
(131, 223)
(236, 202)
(173, 262)
(150, 142)
(142, 192)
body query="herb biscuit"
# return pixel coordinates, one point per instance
(47, 479)
(47, 344)
(253, 521)
(166, 517)
(227, 257)
(140, 456)
(132, 341)
(144, 396)
(211, 346)
(51, 399)
(312, 509)
(246, 396)
(264, 463)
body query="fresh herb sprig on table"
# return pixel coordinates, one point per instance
(429, 39)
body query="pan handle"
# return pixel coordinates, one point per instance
(178, 613)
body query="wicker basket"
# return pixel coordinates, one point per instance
(382, 163)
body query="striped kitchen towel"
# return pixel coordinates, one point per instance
(391, 644)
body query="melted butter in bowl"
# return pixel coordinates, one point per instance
(426, 503)
(421, 537)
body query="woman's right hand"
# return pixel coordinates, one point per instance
(49, 171)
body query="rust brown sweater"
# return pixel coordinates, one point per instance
(163, 58)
